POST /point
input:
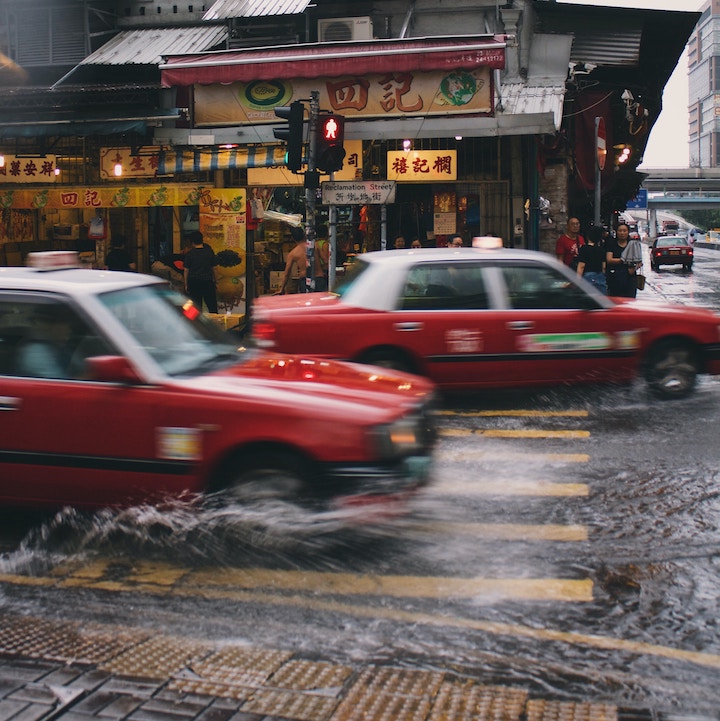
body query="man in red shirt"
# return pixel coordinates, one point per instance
(568, 245)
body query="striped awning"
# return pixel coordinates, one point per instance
(194, 161)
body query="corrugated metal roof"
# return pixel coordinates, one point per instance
(522, 99)
(225, 9)
(147, 46)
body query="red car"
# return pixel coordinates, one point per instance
(671, 250)
(471, 318)
(114, 389)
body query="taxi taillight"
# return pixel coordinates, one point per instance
(263, 333)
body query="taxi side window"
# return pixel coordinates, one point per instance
(444, 287)
(541, 288)
(45, 340)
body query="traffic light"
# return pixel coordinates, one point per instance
(329, 151)
(293, 133)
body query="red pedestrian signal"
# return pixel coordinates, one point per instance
(329, 151)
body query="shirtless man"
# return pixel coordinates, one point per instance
(297, 256)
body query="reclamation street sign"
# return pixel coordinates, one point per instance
(358, 192)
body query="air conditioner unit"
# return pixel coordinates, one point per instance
(344, 29)
(66, 232)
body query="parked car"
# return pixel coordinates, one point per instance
(470, 318)
(117, 390)
(671, 250)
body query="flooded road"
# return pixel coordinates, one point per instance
(568, 545)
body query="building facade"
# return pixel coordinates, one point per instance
(704, 88)
(152, 118)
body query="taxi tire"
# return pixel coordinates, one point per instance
(269, 475)
(671, 369)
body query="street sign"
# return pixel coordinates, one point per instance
(600, 142)
(358, 192)
(639, 202)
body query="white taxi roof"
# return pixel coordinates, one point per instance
(70, 280)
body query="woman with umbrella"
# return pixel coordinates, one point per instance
(624, 262)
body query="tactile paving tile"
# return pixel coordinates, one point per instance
(461, 701)
(538, 710)
(291, 704)
(194, 685)
(382, 707)
(157, 658)
(309, 676)
(248, 666)
(407, 682)
(390, 694)
(64, 641)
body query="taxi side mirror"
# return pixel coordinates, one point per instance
(110, 369)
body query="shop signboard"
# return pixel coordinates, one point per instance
(15, 169)
(387, 95)
(422, 166)
(359, 192)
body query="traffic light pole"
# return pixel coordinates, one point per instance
(311, 184)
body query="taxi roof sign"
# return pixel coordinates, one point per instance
(53, 260)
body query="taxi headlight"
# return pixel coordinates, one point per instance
(404, 437)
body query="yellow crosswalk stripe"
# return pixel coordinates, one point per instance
(515, 413)
(507, 531)
(449, 456)
(513, 433)
(507, 488)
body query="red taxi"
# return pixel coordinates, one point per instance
(471, 318)
(671, 250)
(114, 389)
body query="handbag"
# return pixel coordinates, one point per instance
(640, 280)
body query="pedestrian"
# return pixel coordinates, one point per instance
(568, 245)
(297, 257)
(400, 242)
(691, 236)
(456, 241)
(322, 259)
(199, 273)
(621, 279)
(415, 243)
(118, 258)
(591, 259)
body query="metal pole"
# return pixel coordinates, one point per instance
(311, 193)
(332, 239)
(598, 169)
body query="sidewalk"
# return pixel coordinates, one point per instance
(80, 672)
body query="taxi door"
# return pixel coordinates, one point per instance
(554, 331)
(447, 317)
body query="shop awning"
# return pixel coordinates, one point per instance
(335, 59)
(82, 126)
(194, 161)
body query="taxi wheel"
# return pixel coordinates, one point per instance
(671, 369)
(388, 358)
(268, 476)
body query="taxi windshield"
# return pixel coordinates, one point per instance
(180, 339)
(354, 271)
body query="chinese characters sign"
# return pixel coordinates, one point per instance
(132, 165)
(18, 169)
(102, 197)
(423, 166)
(223, 218)
(359, 192)
(372, 96)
